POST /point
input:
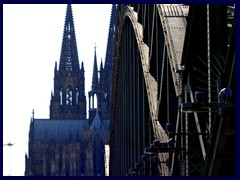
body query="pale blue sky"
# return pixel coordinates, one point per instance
(32, 39)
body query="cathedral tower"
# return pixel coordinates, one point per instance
(106, 71)
(67, 144)
(102, 79)
(93, 94)
(68, 100)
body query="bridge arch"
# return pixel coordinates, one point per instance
(135, 91)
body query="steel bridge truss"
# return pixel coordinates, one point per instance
(161, 65)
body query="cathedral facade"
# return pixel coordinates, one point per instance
(69, 144)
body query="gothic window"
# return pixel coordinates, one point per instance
(68, 26)
(68, 63)
(61, 97)
(68, 96)
(105, 95)
(95, 101)
(77, 94)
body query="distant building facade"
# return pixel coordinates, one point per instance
(69, 144)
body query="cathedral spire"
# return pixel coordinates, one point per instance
(82, 66)
(95, 72)
(68, 100)
(33, 114)
(69, 53)
(111, 37)
(55, 66)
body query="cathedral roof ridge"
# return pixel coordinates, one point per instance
(53, 127)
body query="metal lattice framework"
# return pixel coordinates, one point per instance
(160, 61)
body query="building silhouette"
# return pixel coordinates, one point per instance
(69, 144)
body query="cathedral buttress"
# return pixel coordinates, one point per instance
(68, 101)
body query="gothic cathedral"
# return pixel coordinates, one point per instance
(69, 144)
